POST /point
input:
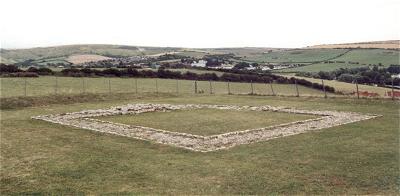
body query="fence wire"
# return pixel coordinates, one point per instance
(14, 87)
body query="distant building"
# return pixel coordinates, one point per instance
(155, 66)
(396, 76)
(200, 63)
(226, 66)
(250, 67)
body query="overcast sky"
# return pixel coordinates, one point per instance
(197, 23)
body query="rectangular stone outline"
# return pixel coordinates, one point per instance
(200, 143)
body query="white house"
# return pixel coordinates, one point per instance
(200, 63)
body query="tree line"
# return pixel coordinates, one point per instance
(363, 75)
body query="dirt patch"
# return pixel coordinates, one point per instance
(84, 120)
(85, 58)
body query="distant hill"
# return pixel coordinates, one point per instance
(390, 44)
(61, 53)
(83, 53)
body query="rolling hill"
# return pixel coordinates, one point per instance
(390, 44)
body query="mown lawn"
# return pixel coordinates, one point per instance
(359, 158)
(207, 121)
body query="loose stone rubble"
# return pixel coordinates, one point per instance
(84, 120)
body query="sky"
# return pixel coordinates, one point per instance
(197, 23)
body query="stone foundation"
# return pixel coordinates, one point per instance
(84, 120)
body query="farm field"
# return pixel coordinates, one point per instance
(45, 158)
(207, 121)
(12, 87)
(390, 44)
(346, 87)
(372, 56)
(297, 55)
(321, 67)
(77, 59)
(365, 57)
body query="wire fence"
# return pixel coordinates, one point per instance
(15, 87)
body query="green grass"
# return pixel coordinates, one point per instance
(207, 121)
(12, 87)
(365, 57)
(322, 67)
(345, 87)
(296, 55)
(372, 56)
(20, 55)
(43, 158)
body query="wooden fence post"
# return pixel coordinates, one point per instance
(25, 87)
(392, 88)
(297, 89)
(272, 88)
(56, 86)
(358, 94)
(211, 90)
(229, 88)
(177, 86)
(323, 87)
(251, 85)
(195, 86)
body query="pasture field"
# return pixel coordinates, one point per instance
(297, 55)
(43, 158)
(12, 87)
(372, 56)
(365, 57)
(390, 44)
(207, 121)
(346, 87)
(321, 67)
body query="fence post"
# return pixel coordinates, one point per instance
(56, 86)
(156, 86)
(211, 90)
(25, 87)
(229, 88)
(177, 86)
(297, 89)
(272, 88)
(358, 94)
(109, 85)
(323, 87)
(136, 90)
(251, 86)
(195, 86)
(392, 88)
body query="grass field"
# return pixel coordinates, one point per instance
(372, 56)
(11, 87)
(297, 55)
(321, 67)
(207, 121)
(365, 57)
(344, 86)
(43, 158)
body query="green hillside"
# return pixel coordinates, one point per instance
(60, 52)
(297, 55)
